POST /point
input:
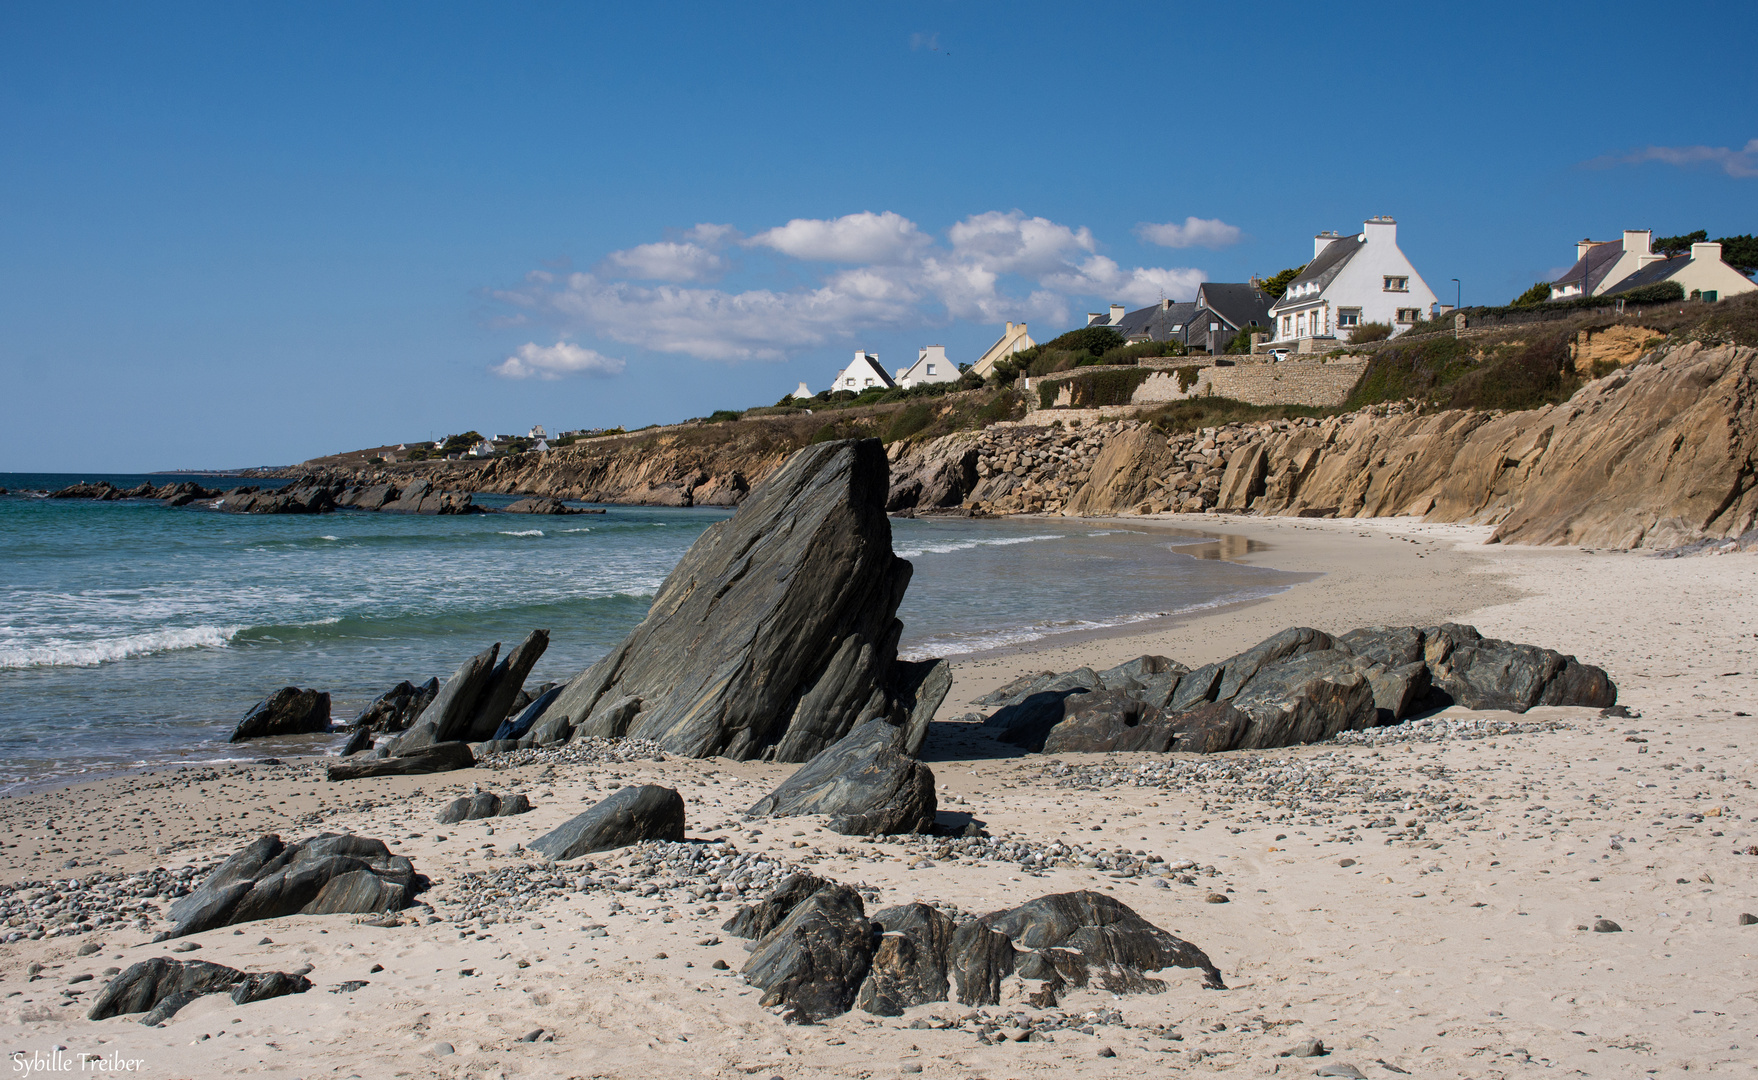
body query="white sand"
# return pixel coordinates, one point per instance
(1454, 953)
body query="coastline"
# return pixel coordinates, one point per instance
(1429, 952)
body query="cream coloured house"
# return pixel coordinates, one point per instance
(1352, 280)
(1013, 340)
(1702, 274)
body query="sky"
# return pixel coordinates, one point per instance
(236, 235)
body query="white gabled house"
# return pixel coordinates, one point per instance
(931, 366)
(1702, 274)
(1352, 280)
(800, 393)
(1602, 264)
(537, 433)
(863, 373)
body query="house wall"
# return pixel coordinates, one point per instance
(1706, 271)
(1318, 383)
(1362, 281)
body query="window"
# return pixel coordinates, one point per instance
(1397, 284)
(1711, 295)
(1287, 325)
(1176, 327)
(930, 369)
(1408, 314)
(1348, 316)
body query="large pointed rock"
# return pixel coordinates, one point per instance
(327, 874)
(634, 814)
(447, 718)
(909, 964)
(866, 783)
(775, 633)
(495, 700)
(815, 961)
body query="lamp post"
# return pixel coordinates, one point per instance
(1458, 293)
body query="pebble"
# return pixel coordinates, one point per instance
(1747, 919)
(185, 946)
(441, 1049)
(1107, 1052)
(1348, 1072)
(115, 901)
(1309, 1048)
(1215, 898)
(591, 751)
(1606, 926)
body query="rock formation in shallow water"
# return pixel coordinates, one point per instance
(776, 632)
(287, 711)
(1299, 686)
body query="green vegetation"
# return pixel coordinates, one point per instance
(1077, 348)
(1679, 245)
(1181, 416)
(1370, 331)
(908, 421)
(1739, 252)
(1447, 372)
(1277, 284)
(1538, 294)
(456, 443)
(1094, 389)
(1187, 377)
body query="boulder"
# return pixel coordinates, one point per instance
(981, 957)
(647, 812)
(495, 700)
(786, 613)
(326, 874)
(544, 505)
(865, 782)
(1305, 700)
(908, 967)
(815, 961)
(917, 688)
(1137, 673)
(1106, 932)
(439, 757)
(1399, 692)
(359, 742)
(1107, 720)
(161, 986)
(757, 920)
(398, 707)
(483, 804)
(288, 711)
(1484, 673)
(448, 717)
(1028, 723)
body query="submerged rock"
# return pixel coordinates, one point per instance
(647, 812)
(288, 711)
(786, 613)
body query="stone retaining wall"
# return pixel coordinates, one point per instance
(1318, 383)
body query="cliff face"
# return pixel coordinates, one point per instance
(1659, 453)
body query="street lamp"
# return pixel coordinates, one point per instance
(1458, 292)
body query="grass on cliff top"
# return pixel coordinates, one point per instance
(1194, 414)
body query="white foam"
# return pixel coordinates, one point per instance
(329, 538)
(522, 532)
(947, 548)
(64, 653)
(576, 530)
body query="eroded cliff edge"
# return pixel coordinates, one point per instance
(1659, 453)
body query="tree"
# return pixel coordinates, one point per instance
(1538, 294)
(1276, 285)
(1096, 340)
(1679, 245)
(1741, 253)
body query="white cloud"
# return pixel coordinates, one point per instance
(554, 361)
(1211, 233)
(994, 266)
(1741, 163)
(854, 238)
(667, 261)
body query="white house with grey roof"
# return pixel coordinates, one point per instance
(862, 373)
(1352, 280)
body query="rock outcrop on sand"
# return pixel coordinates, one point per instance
(161, 986)
(476, 700)
(327, 874)
(398, 707)
(431, 758)
(1300, 686)
(818, 954)
(776, 633)
(483, 804)
(646, 812)
(287, 711)
(866, 782)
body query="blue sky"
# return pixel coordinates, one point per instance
(252, 234)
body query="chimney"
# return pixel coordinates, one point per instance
(1706, 252)
(1009, 329)
(1379, 230)
(1116, 314)
(1581, 247)
(1638, 241)
(1165, 304)
(1322, 241)
(1093, 317)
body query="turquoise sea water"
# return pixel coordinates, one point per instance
(132, 634)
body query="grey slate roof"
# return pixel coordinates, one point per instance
(1157, 322)
(1239, 304)
(1596, 264)
(1332, 259)
(1652, 274)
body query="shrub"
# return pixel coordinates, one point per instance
(1277, 284)
(1538, 294)
(1096, 389)
(1413, 370)
(1006, 405)
(721, 416)
(1180, 416)
(1370, 331)
(908, 422)
(1187, 377)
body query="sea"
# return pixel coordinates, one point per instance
(134, 635)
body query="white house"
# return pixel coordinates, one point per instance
(1701, 274)
(541, 444)
(800, 393)
(1602, 264)
(931, 366)
(1352, 280)
(1013, 340)
(484, 448)
(537, 433)
(863, 373)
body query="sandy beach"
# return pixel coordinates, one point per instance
(1419, 898)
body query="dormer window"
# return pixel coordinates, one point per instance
(1397, 284)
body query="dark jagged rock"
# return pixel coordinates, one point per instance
(483, 804)
(786, 612)
(422, 498)
(495, 700)
(1299, 686)
(518, 727)
(288, 711)
(398, 707)
(917, 688)
(865, 782)
(543, 505)
(1107, 720)
(756, 920)
(815, 961)
(358, 742)
(102, 490)
(1106, 932)
(440, 757)
(909, 965)
(307, 495)
(647, 812)
(267, 879)
(161, 986)
(980, 958)
(447, 718)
